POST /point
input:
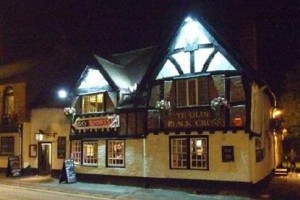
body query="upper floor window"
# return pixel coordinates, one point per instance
(93, 103)
(196, 91)
(9, 101)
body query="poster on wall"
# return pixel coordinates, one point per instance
(61, 147)
(227, 154)
(32, 150)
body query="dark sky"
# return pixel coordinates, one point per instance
(107, 27)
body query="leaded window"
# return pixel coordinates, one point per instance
(115, 153)
(189, 152)
(76, 151)
(93, 103)
(90, 153)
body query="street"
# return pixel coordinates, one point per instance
(13, 192)
(21, 193)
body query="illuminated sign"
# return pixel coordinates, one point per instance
(109, 121)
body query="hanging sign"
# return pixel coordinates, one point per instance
(109, 121)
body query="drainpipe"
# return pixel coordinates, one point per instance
(145, 163)
(20, 130)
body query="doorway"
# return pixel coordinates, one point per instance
(44, 157)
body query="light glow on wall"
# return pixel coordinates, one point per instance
(93, 79)
(219, 62)
(192, 32)
(168, 70)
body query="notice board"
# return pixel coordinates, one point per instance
(13, 166)
(68, 174)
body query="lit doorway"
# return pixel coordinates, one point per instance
(44, 157)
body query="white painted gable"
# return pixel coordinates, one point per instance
(93, 79)
(193, 40)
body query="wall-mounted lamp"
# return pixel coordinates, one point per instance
(39, 136)
(276, 120)
(276, 112)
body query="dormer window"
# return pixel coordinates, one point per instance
(92, 103)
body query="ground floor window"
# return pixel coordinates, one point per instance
(189, 152)
(90, 153)
(115, 153)
(76, 151)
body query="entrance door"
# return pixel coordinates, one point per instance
(44, 160)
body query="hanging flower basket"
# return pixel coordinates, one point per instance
(218, 103)
(163, 107)
(70, 113)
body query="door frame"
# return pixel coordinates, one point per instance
(44, 166)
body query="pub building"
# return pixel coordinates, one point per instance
(187, 114)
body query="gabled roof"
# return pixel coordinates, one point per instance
(121, 72)
(208, 40)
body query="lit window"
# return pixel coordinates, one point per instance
(192, 156)
(90, 153)
(116, 153)
(179, 153)
(198, 154)
(76, 151)
(93, 103)
(9, 101)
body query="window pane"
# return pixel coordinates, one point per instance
(76, 151)
(237, 92)
(181, 93)
(179, 153)
(203, 97)
(217, 86)
(92, 103)
(198, 153)
(90, 153)
(116, 153)
(192, 92)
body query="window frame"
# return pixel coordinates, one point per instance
(196, 90)
(110, 154)
(84, 110)
(95, 153)
(77, 145)
(187, 153)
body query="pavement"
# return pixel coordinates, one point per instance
(279, 188)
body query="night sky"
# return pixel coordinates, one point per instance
(105, 27)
